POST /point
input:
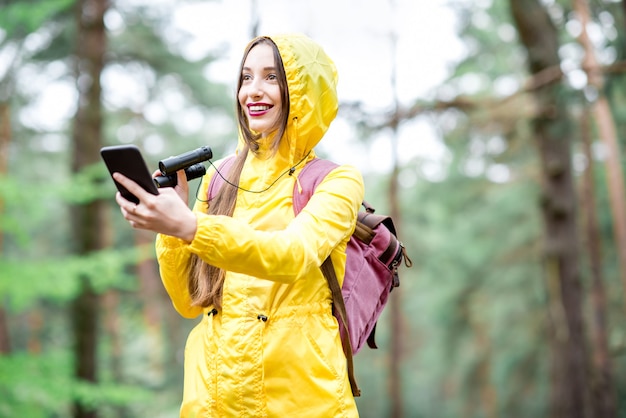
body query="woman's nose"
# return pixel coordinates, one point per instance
(256, 91)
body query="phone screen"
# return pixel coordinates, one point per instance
(127, 160)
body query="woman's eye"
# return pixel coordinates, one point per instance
(272, 77)
(246, 77)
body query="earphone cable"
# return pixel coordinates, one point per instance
(289, 171)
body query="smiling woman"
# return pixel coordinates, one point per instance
(268, 343)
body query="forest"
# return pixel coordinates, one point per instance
(514, 306)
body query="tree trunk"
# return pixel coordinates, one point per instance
(487, 407)
(602, 392)
(154, 299)
(5, 341)
(395, 300)
(110, 302)
(552, 130)
(624, 7)
(395, 304)
(88, 220)
(608, 134)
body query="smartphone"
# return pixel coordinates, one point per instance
(127, 160)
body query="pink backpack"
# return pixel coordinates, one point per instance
(374, 254)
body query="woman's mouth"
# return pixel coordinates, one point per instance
(258, 109)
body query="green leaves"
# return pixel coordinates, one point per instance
(19, 18)
(42, 385)
(25, 282)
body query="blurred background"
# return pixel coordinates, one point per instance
(491, 130)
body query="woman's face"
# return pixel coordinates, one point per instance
(259, 95)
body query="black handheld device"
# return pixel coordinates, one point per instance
(127, 160)
(190, 161)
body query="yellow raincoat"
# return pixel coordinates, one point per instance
(274, 349)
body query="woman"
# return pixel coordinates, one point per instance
(268, 344)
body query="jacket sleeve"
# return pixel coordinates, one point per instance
(288, 254)
(173, 257)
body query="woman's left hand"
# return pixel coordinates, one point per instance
(166, 213)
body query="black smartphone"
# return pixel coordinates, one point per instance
(127, 160)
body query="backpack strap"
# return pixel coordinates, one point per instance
(340, 310)
(309, 178)
(311, 175)
(218, 178)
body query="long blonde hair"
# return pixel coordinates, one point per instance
(206, 282)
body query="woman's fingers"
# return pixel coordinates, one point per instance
(131, 186)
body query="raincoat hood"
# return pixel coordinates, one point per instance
(312, 84)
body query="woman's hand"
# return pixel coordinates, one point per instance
(166, 213)
(182, 185)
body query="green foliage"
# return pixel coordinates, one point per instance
(31, 385)
(494, 60)
(474, 304)
(29, 276)
(59, 280)
(19, 18)
(40, 276)
(42, 386)
(143, 43)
